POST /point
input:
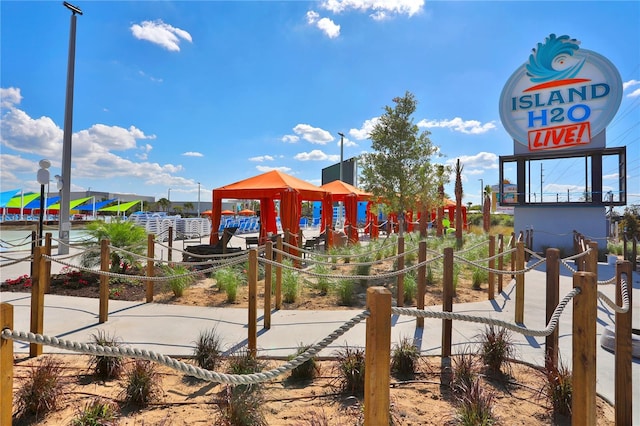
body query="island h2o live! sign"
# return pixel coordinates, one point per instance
(562, 98)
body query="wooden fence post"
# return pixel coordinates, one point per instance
(400, 278)
(591, 262)
(520, 283)
(422, 280)
(553, 298)
(491, 290)
(513, 258)
(150, 261)
(268, 254)
(583, 400)
(377, 357)
(447, 299)
(500, 261)
(35, 243)
(104, 281)
(252, 277)
(279, 273)
(37, 300)
(170, 251)
(6, 366)
(624, 351)
(47, 244)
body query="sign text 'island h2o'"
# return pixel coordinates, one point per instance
(562, 98)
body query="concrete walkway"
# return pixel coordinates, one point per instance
(173, 329)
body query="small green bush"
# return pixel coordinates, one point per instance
(345, 291)
(178, 278)
(106, 367)
(410, 287)
(290, 286)
(97, 412)
(479, 276)
(323, 284)
(241, 406)
(228, 280)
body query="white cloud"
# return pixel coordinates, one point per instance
(283, 169)
(162, 34)
(364, 131)
(192, 154)
(326, 25)
(10, 97)
(470, 127)
(312, 134)
(634, 94)
(477, 164)
(630, 83)
(611, 176)
(316, 155)
(262, 158)
(379, 9)
(348, 143)
(290, 138)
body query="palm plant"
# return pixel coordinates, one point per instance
(121, 234)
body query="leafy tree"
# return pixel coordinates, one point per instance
(120, 233)
(188, 206)
(399, 170)
(163, 204)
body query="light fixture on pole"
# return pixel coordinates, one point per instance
(65, 195)
(198, 199)
(43, 179)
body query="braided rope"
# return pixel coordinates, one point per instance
(625, 299)
(188, 369)
(15, 261)
(551, 326)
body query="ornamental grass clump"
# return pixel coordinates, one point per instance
(106, 367)
(323, 283)
(142, 383)
(475, 406)
(404, 358)
(351, 370)
(290, 286)
(478, 277)
(345, 291)
(41, 390)
(178, 278)
(496, 348)
(308, 370)
(241, 406)
(410, 287)
(208, 350)
(559, 388)
(464, 371)
(97, 412)
(228, 280)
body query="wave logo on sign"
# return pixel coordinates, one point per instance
(561, 98)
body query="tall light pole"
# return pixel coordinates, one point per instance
(481, 195)
(65, 195)
(169, 195)
(198, 199)
(43, 179)
(341, 151)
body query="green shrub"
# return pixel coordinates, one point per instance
(351, 370)
(479, 276)
(178, 278)
(430, 277)
(142, 383)
(106, 367)
(290, 287)
(404, 357)
(228, 280)
(97, 412)
(41, 391)
(241, 406)
(410, 287)
(208, 350)
(323, 284)
(345, 291)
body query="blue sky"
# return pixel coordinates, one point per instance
(169, 94)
